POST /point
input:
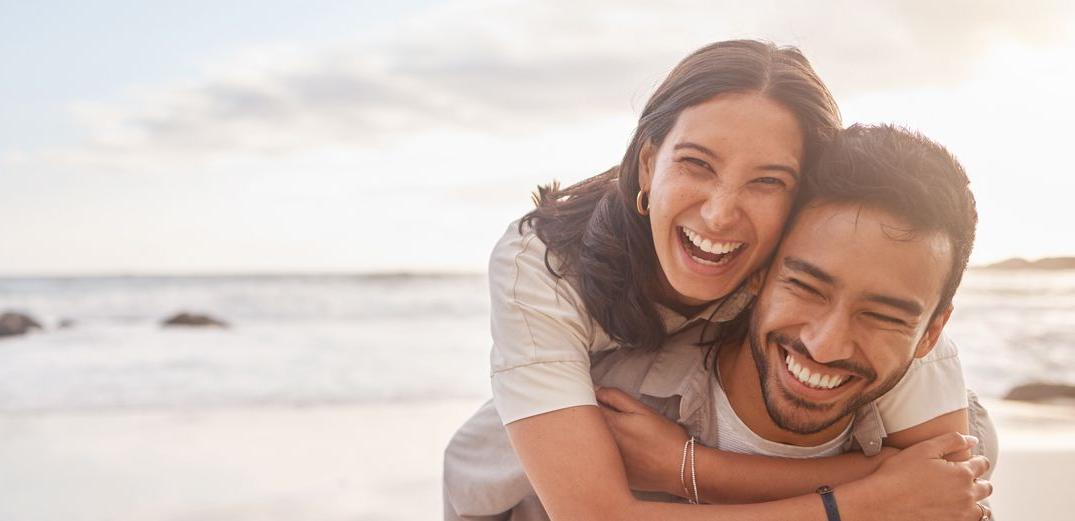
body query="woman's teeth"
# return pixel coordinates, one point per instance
(716, 248)
(810, 379)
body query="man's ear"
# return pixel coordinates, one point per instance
(646, 158)
(933, 333)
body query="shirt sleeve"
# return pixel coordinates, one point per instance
(933, 386)
(542, 336)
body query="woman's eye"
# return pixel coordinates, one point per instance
(697, 162)
(770, 181)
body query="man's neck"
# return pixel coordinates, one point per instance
(741, 383)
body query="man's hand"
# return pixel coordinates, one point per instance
(651, 445)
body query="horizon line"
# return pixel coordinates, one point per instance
(133, 274)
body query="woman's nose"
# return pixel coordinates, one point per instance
(721, 209)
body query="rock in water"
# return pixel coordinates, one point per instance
(1039, 392)
(12, 324)
(192, 319)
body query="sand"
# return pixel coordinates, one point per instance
(356, 462)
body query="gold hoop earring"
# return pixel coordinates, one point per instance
(643, 208)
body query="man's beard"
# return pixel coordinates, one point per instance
(786, 418)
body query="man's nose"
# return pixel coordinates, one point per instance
(721, 208)
(827, 337)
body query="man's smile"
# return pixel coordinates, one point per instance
(812, 383)
(816, 380)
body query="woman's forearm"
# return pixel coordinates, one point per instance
(572, 462)
(728, 477)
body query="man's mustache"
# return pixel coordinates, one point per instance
(796, 345)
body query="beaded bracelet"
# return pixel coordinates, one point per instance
(688, 447)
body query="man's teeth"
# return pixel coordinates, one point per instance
(815, 380)
(716, 248)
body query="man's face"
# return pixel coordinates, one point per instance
(845, 308)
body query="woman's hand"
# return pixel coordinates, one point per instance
(650, 444)
(919, 483)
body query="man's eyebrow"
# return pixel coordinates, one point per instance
(798, 264)
(700, 148)
(907, 306)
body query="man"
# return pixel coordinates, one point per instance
(856, 295)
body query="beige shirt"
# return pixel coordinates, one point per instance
(543, 343)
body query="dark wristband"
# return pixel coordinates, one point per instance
(829, 500)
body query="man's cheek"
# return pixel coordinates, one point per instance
(781, 308)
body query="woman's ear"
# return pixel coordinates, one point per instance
(646, 158)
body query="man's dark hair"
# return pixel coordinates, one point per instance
(906, 174)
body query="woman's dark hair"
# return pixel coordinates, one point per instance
(604, 247)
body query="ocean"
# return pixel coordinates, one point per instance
(305, 340)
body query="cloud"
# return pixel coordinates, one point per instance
(511, 68)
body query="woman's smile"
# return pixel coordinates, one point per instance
(706, 251)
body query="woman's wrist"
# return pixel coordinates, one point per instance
(862, 499)
(709, 465)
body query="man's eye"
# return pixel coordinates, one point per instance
(886, 319)
(803, 286)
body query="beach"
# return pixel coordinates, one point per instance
(332, 397)
(362, 462)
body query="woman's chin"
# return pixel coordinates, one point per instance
(695, 289)
(699, 293)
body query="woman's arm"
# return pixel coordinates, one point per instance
(651, 447)
(762, 478)
(572, 462)
(571, 459)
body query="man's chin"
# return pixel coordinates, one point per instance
(794, 414)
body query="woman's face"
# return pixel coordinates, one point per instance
(720, 187)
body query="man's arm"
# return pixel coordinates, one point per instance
(955, 421)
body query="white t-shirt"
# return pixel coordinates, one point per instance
(735, 436)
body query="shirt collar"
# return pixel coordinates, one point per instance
(679, 370)
(717, 311)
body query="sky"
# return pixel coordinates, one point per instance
(318, 136)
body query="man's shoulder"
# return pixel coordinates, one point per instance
(945, 349)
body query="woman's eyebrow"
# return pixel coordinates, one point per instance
(696, 146)
(778, 167)
(781, 168)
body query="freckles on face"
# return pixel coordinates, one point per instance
(720, 186)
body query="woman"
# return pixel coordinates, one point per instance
(664, 243)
